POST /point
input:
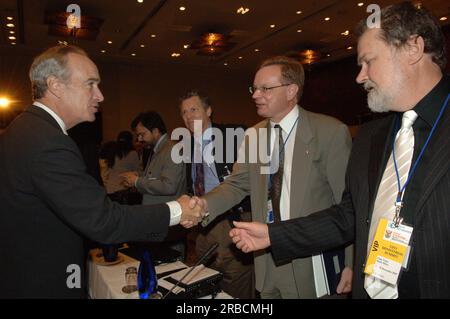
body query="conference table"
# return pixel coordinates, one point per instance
(106, 280)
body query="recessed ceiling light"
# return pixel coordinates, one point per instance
(175, 55)
(327, 19)
(10, 25)
(9, 18)
(153, 35)
(328, 55)
(140, 1)
(242, 10)
(299, 30)
(256, 50)
(346, 32)
(349, 48)
(360, 4)
(13, 43)
(103, 51)
(443, 18)
(133, 54)
(225, 64)
(12, 32)
(272, 26)
(182, 8)
(186, 46)
(298, 12)
(240, 58)
(109, 42)
(12, 38)
(142, 45)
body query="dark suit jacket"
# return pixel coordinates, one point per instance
(350, 220)
(48, 203)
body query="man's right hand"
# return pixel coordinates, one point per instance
(249, 237)
(192, 211)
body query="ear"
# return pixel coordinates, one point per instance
(209, 111)
(54, 86)
(415, 49)
(292, 91)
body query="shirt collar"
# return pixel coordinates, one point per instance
(53, 114)
(429, 107)
(288, 121)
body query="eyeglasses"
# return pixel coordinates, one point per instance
(264, 89)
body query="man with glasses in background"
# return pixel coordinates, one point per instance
(313, 152)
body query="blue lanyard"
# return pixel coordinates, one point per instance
(399, 202)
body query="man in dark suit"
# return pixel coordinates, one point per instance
(47, 200)
(402, 69)
(202, 176)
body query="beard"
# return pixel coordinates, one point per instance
(377, 101)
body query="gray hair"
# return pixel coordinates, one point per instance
(401, 21)
(53, 61)
(204, 100)
(291, 71)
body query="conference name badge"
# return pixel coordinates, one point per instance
(389, 251)
(269, 217)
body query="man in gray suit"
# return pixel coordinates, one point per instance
(315, 153)
(162, 180)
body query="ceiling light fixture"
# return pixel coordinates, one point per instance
(12, 38)
(175, 55)
(242, 10)
(10, 25)
(186, 46)
(346, 32)
(142, 45)
(443, 18)
(298, 12)
(272, 26)
(182, 8)
(133, 54)
(9, 18)
(153, 35)
(327, 19)
(360, 4)
(349, 48)
(140, 1)
(299, 30)
(256, 50)
(103, 51)
(109, 42)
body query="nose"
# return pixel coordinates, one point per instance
(362, 75)
(256, 93)
(98, 96)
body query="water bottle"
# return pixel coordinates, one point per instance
(147, 280)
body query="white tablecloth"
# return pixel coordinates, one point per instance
(106, 282)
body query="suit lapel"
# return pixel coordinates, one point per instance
(303, 155)
(380, 151)
(435, 161)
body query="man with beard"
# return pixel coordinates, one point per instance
(398, 176)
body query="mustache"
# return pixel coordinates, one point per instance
(369, 85)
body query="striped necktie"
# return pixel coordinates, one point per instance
(387, 193)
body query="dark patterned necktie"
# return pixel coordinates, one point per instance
(199, 183)
(277, 178)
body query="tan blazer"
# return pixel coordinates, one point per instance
(321, 150)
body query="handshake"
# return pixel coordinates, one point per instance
(194, 209)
